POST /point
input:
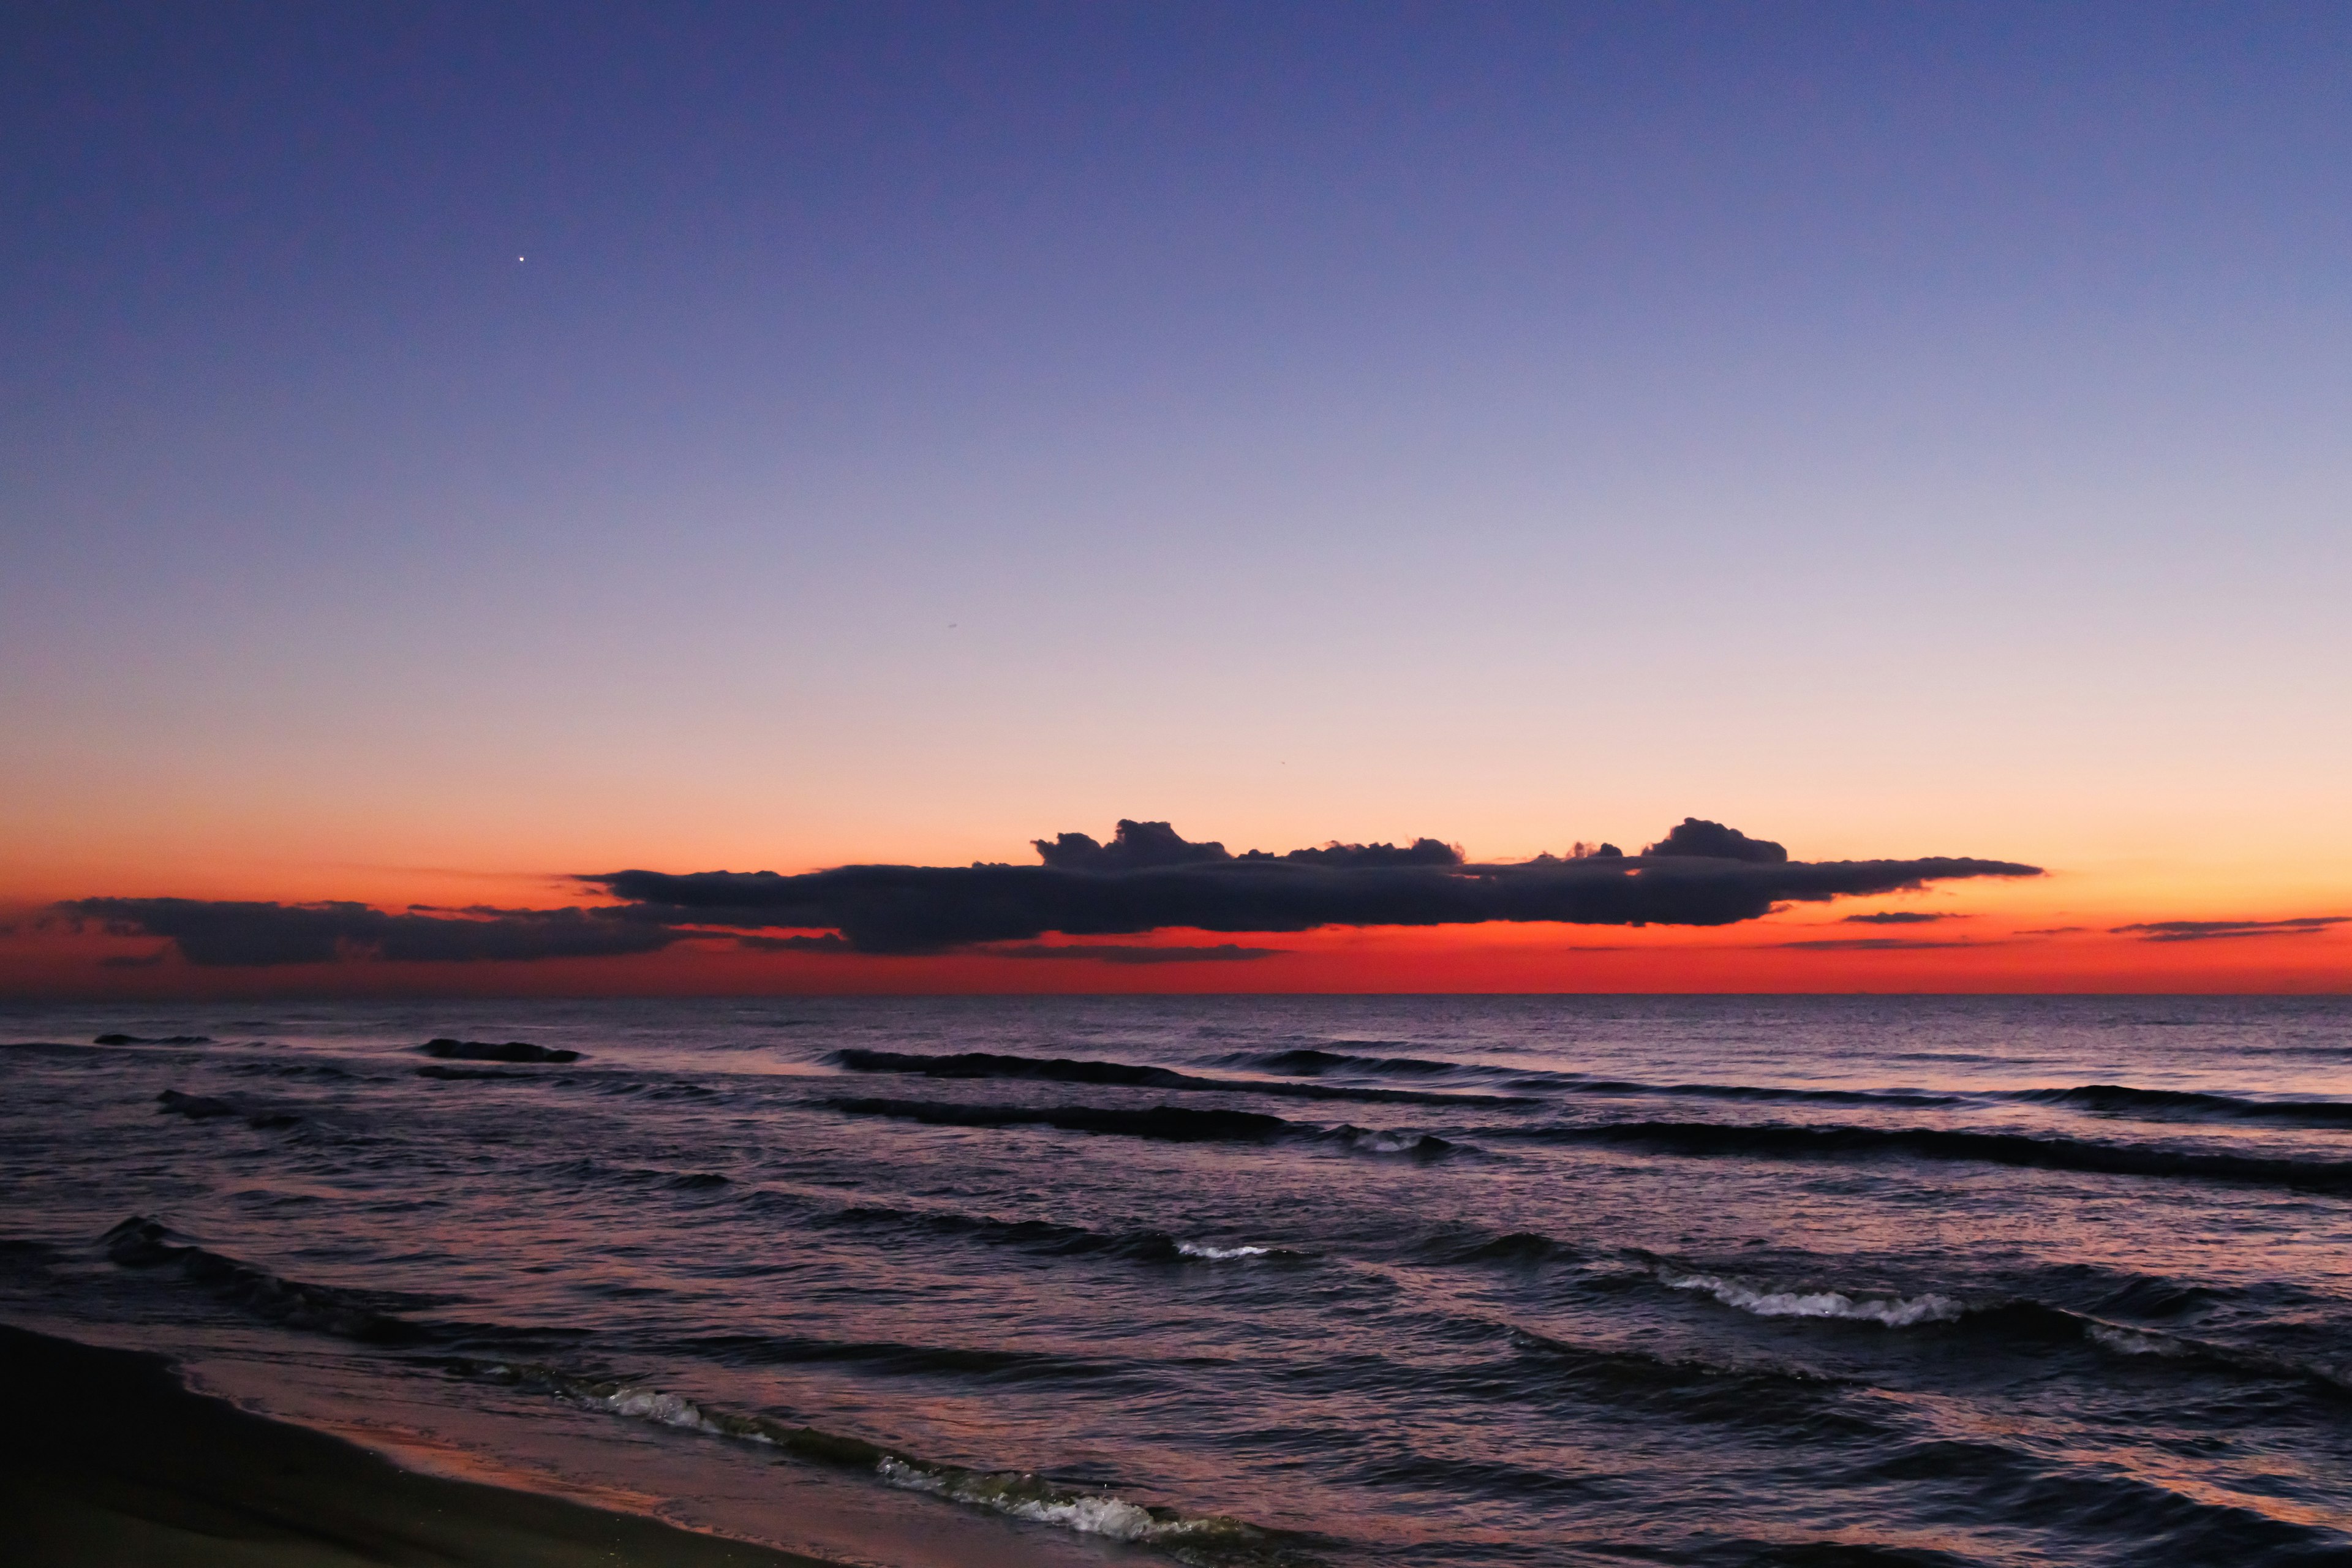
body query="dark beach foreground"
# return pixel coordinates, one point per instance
(110, 1461)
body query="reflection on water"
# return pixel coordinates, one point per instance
(1249, 1280)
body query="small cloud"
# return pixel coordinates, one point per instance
(1714, 841)
(1222, 953)
(1133, 847)
(2053, 930)
(1868, 945)
(1898, 918)
(2219, 930)
(224, 933)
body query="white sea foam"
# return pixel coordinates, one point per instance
(2134, 1342)
(1895, 1311)
(653, 1404)
(1018, 1494)
(1022, 1497)
(1219, 1253)
(1390, 1143)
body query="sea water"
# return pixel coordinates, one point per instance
(1244, 1281)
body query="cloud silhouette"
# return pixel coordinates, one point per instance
(829, 942)
(1714, 841)
(1869, 944)
(1133, 847)
(2222, 930)
(1149, 879)
(234, 933)
(1145, 845)
(1108, 952)
(1897, 918)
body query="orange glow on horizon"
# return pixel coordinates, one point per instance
(1986, 951)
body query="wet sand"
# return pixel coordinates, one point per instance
(106, 1460)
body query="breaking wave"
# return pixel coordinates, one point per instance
(2019, 1320)
(1895, 1311)
(1021, 1494)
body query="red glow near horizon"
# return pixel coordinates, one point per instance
(1779, 954)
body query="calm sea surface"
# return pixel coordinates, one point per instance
(1478, 1281)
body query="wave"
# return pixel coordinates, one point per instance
(209, 1107)
(2108, 1099)
(588, 1168)
(373, 1317)
(898, 1358)
(1759, 1093)
(2017, 1320)
(1513, 1247)
(140, 1242)
(1062, 1070)
(1309, 1062)
(2173, 1104)
(1773, 1396)
(1053, 1237)
(2331, 1377)
(154, 1040)
(292, 1070)
(1780, 1139)
(488, 1051)
(1894, 1312)
(1021, 1494)
(1166, 1123)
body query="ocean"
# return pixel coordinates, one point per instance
(1242, 1281)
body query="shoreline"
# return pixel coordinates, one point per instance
(110, 1458)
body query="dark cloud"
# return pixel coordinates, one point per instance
(1714, 841)
(1419, 852)
(1148, 846)
(1897, 918)
(225, 933)
(1133, 847)
(1150, 878)
(829, 942)
(1869, 944)
(1222, 953)
(2219, 930)
(1147, 879)
(2053, 930)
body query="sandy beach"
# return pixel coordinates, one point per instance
(112, 1462)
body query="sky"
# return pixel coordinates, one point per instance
(449, 450)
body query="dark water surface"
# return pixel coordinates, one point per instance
(1477, 1281)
